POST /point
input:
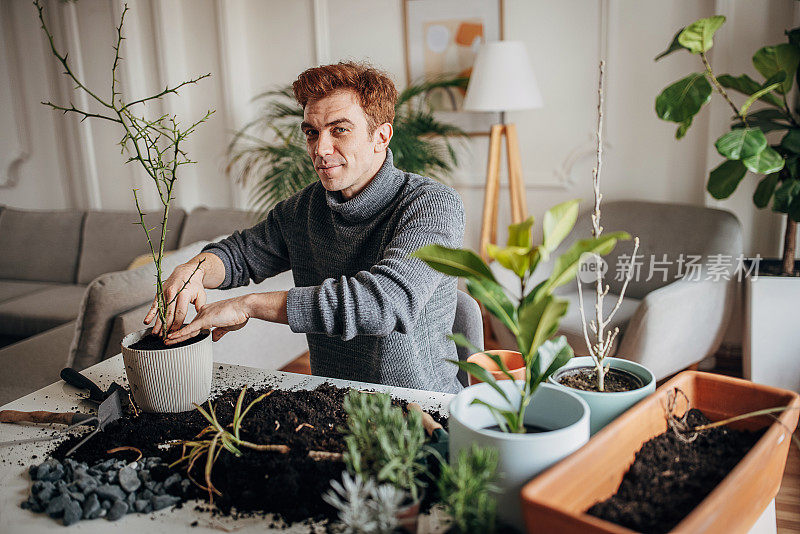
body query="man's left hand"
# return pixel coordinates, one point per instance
(223, 316)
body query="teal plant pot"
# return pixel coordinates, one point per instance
(521, 456)
(607, 406)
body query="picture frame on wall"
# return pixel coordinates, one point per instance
(442, 38)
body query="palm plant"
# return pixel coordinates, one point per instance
(270, 151)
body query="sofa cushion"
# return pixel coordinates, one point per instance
(33, 363)
(30, 314)
(11, 289)
(39, 245)
(203, 224)
(112, 239)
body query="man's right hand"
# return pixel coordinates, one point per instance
(193, 293)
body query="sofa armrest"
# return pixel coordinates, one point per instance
(110, 294)
(678, 325)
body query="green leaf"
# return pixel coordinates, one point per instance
(684, 98)
(698, 36)
(516, 259)
(772, 59)
(558, 222)
(785, 195)
(454, 261)
(461, 339)
(538, 321)
(501, 364)
(791, 141)
(519, 235)
(765, 162)
(741, 143)
(755, 96)
(746, 85)
(683, 128)
(723, 180)
(674, 46)
(765, 189)
(566, 266)
(507, 420)
(481, 374)
(557, 353)
(491, 295)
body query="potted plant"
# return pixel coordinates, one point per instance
(386, 447)
(608, 385)
(162, 379)
(495, 413)
(466, 490)
(557, 501)
(280, 167)
(770, 341)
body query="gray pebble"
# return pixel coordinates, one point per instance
(87, 484)
(52, 474)
(146, 494)
(150, 484)
(118, 509)
(142, 506)
(33, 471)
(162, 501)
(110, 476)
(144, 475)
(56, 506)
(105, 505)
(172, 480)
(130, 499)
(91, 507)
(129, 480)
(32, 505)
(110, 491)
(77, 496)
(72, 513)
(158, 488)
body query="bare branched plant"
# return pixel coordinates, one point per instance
(155, 143)
(213, 439)
(601, 341)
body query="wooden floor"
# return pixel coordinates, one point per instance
(728, 362)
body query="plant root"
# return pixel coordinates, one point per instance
(119, 449)
(326, 455)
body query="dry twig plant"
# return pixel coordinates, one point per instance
(601, 341)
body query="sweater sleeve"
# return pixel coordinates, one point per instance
(252, 254)
(390, 296)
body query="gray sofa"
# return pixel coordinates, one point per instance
(66, 297)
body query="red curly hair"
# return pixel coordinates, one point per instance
(376, 91)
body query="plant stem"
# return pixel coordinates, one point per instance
(721, 90)
(789, 240)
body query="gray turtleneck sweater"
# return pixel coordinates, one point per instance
(370, 312)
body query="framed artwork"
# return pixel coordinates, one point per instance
(442, 38)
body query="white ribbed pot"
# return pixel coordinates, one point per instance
(608, 405)
(522, 456)
(168, 380)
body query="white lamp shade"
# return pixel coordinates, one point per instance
(502, 79)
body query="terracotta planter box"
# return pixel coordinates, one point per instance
(556, 500)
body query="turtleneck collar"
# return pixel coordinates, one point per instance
(381, 190)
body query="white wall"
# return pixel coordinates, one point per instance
(48, 161)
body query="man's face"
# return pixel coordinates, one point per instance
(346, 157)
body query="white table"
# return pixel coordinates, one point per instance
(60, 397)
(14, 460)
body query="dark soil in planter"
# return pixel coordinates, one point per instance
(289, 485)
(585, 379)
(153, 342)
(529, 429)
(669, 477)
(775, 268)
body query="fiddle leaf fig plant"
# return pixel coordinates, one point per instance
(156, 143)
(534, 317)
(745, 147)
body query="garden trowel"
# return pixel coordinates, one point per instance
(96, 395)
(109, 410)
(439, 438)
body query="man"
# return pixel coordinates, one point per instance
(369, 311)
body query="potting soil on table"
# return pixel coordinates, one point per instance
(669, 476)
(288, 485)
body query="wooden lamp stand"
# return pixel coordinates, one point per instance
(516, 189)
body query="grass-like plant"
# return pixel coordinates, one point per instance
(466, 489)
(156, 143)
(214, 438)
(270, 151)
(384, 443)
(534, 318)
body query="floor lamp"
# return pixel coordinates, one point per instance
(502, 80)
